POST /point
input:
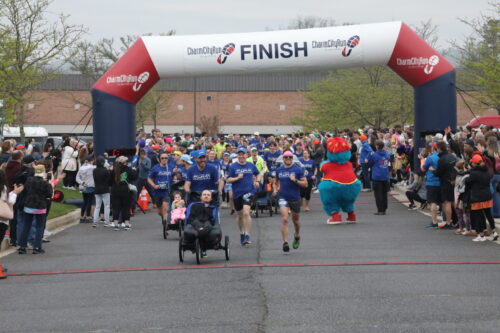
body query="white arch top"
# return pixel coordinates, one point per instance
(154, 57)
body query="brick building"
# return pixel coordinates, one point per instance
(244, 104)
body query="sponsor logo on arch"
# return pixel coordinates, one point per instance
(426, 64)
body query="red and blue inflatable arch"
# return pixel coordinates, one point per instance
(151, 58)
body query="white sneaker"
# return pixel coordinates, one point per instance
(479, 239)
(316, 192)
(122, 225)
(493, 236)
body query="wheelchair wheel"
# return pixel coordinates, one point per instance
(181, 250)
(257, 211)
(197, 250)
(165, 226)
(226, 247)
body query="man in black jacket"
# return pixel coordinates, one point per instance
(446, 173)
(38, 193)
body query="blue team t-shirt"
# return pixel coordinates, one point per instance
(309, 166)
(289, 190)
(244, 185)
(161, 176)
(205, 179)
(271, 158)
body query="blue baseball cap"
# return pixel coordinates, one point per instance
(200, 153)
(186, 159)
(242, 150)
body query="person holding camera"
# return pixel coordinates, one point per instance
(70, 164)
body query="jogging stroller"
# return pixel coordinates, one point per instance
(202, 232)
(263, 201)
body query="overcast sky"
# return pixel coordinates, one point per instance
(115, 18)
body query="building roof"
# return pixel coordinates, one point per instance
(289, 81)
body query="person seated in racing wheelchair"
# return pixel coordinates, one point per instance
(202, 223)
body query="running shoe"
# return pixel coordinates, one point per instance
(94, 225)
(204, 253)
(445, 226)
(431, 225)
(479, 238)
(247, 240)
(493, 236)
(22, 250)
(412, 207)
(242, 239)
(296, 243)
(128, 227)
(38, 251)
(286, 247)
(122, 225)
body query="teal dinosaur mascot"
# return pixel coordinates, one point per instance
(339, 186)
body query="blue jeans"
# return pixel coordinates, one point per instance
(496, 196)
(39, 220)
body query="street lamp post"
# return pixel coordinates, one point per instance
(194, 109)
(3, 116)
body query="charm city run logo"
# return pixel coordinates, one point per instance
(136, 81)
(346, 44)
(427, 64)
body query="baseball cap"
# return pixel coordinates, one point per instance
(178, 153)
(186, 158)
(200, 153)
(28, 159)
(156, 147)
(439, 135)
(256, 133)
(253, 148)
(225, 153)
(287, 153)
(242, 150)
(477, 159)
(233, 156)
(363, 137)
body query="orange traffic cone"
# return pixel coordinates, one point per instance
(143, 200)
(2, 273)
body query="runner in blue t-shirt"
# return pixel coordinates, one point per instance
(310, 170)
(201, 177)
(271, 156)
(290, 178)
(160, 178)
(245, 179)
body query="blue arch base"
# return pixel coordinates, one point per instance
(114, 123)
(435, 108)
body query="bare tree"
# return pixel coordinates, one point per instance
(31, 47)
(210, 125)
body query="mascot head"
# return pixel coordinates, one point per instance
(339, 151)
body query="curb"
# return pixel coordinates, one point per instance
(54, 225)
(399, 193)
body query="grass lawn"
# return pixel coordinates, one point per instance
(60, 209)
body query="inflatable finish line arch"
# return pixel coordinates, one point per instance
(151, 58)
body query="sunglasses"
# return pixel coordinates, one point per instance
(164, 158)
(288, 157)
